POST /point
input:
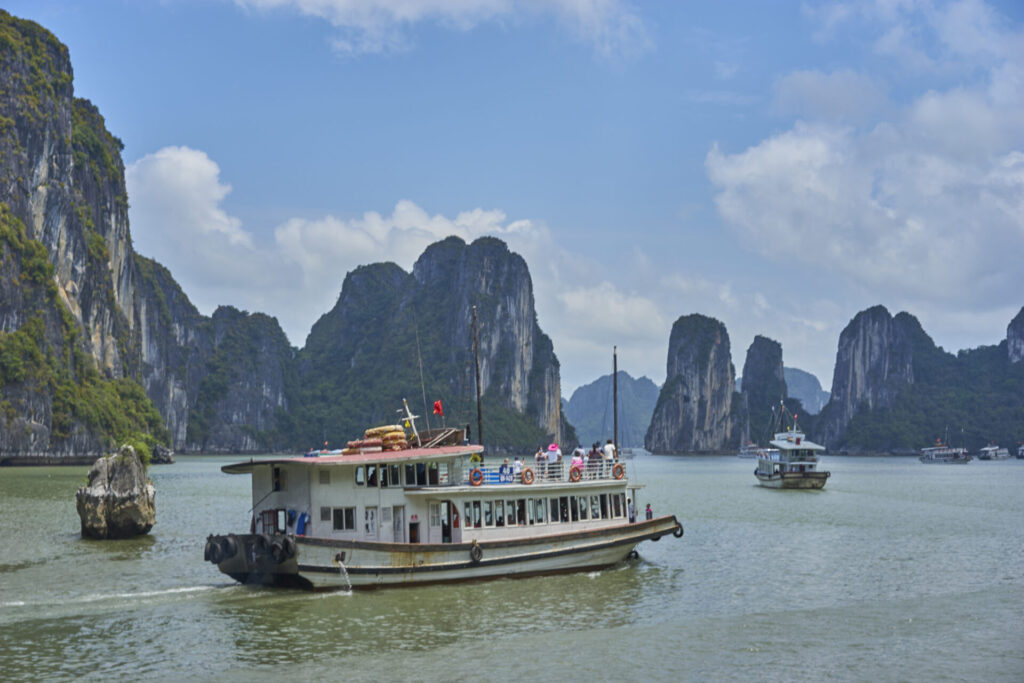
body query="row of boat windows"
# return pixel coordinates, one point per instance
(383, 476)
(531, 511)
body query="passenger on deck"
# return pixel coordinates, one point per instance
(505, 472)
(649, 512)
(554, 461)
(517, 467)
(577, 460)
(632, 510)
(594, 461)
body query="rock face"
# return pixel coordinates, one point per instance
(365, 352)
(874, 362)
(807, 389)
(764, 384)
(1015, 338)
(119, 500)
(695, 410)
(590, 410)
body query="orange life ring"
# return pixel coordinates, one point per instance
(575, 474)
(618, 471)
(476, 476)
(527, 476)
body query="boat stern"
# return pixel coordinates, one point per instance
(266, 559)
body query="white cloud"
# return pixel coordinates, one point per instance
(373, 26)
(841, 96)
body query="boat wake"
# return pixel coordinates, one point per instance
(102, 597)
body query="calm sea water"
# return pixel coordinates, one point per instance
(896, 571)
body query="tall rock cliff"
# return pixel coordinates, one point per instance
(368, 348)
(590, 409)
(84, 321)
(695, 410)
(764, 385)
(874, 363)
(1015, 338)
(805, 387)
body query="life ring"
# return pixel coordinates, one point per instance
(575, 474)
(476, 553)
(527, 476)
(618, 471)
(476, 457)
(476, 476)
(678, 533)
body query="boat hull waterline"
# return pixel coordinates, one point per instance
(793, 480)
(327, 563)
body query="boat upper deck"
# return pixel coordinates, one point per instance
(409, 455)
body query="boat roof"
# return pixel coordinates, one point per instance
(391, 457)
(786, 441)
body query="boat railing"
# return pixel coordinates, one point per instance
(542, 473)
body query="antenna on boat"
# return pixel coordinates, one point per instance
(411, 420)
(476, 356)
(615, 398)
(423, 388)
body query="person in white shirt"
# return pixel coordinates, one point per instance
(609, 454)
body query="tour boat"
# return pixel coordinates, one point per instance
(748, 450)
(943, 454)
(791, 463)
(427, 514)
(993, 453)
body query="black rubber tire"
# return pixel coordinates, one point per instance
(277, 551)
(263, 542)
(476, 553)
(229, 546)
(206, 550)
(216, 555)
(678, 533)
(289, 547)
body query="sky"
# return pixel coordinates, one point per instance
(779, 166)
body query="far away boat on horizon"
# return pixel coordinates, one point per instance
(944, 454)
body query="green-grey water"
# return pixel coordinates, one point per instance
(896, 571)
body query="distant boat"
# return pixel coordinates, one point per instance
(942, 454)
(1020, 453)
(792, 463)
(993, 452)
(748, 450)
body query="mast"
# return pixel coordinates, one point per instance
(476, 356)
(615, 397)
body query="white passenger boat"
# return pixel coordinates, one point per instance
(791, 463)
(425, 515)
(993, 452)
(748, 450)
(942, 454)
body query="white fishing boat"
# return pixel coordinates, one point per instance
(942, 454)
(427, 514)
(791, 463)
(748, 450)
(993, 452)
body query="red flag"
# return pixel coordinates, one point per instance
(438, 410)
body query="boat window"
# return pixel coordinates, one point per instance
(393, 475)
(604, 506)
(499, 508)
(574, 510)
(360, 475)
(325, 513)
(529, 510)
(554, 511)
(583, 507)
(278, 479)
(444, 472)
(510, 513)
(273, 521)
(345, 519)
(421, 474)
(488, 513)
(616, 506)
(521, 511)
(563, 508)
(476, 514)
(410, 475)
(383, 469)
(370, 520)
(595, 507)
(468, 515)
(325, 477)
(435, 514)
(371, 475)
(539, 517)
(432, 474)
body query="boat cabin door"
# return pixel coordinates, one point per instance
(398, 523)
(414, 532)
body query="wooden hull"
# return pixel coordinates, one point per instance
(322, 563)
(793, 480)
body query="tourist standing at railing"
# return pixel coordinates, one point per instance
(517, 468)
(610, 456)
(540, 459)
(632, 510)
(594, 460)
(649, 512)
(554, 461)
(577, 460)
